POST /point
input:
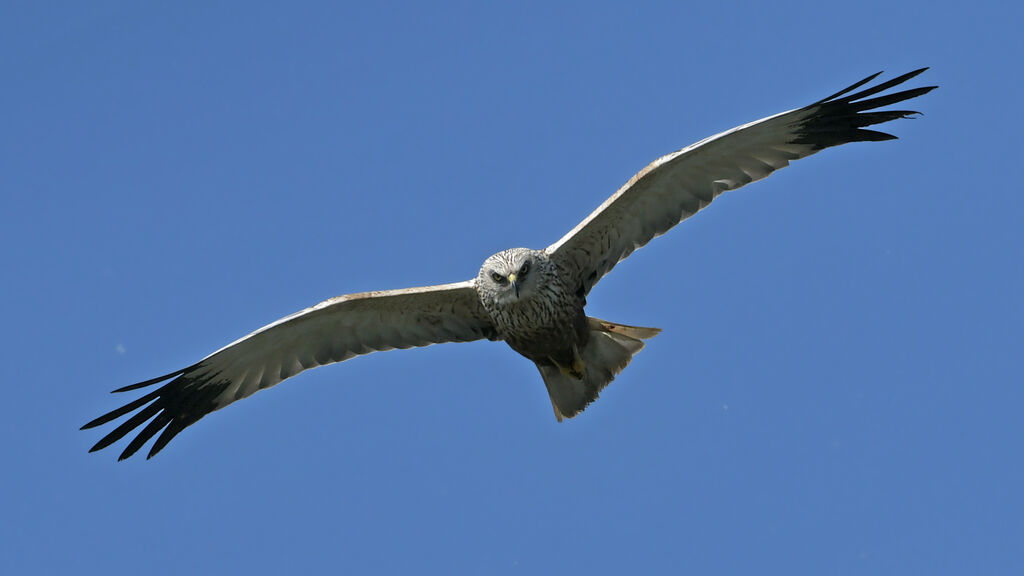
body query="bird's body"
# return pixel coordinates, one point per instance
(542, 319)
(538, 310)
(541, 332)
(534, 300)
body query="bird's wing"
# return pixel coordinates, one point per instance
(332, 331)
(676, 186)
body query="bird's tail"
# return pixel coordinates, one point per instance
(610, 348)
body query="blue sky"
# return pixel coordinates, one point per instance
(837, 389)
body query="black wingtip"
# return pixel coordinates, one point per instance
(874, 89)
(129, 407)
(875, 136)
(844, 116)
(881, 87)
(851, 87)
(161, 413)
(168, 433)
(913, 73)
(150, 382)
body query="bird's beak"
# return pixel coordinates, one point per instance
(515, 285)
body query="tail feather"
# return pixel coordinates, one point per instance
(609, 350)
(635, 332)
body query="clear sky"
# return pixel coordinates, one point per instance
(837, 389)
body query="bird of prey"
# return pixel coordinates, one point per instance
(531, 299)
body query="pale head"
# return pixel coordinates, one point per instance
(512, 275)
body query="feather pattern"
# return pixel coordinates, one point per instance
(332, 331)
(540, 313)
(678, 185)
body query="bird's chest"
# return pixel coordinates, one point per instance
(539, 329)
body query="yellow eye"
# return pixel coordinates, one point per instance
(524, 269)
(497, 278)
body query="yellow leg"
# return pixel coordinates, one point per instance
(577, 370)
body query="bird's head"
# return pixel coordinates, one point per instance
(512, 275)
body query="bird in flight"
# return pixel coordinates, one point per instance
(531, 299)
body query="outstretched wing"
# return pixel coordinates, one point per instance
(332, 331)
(676, 186)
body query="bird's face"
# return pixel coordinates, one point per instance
(512, 275)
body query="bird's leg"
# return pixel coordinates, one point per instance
(576, 369)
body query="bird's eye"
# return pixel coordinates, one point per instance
(497, 278)
(526, 268)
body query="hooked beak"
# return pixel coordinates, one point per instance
(515, 285)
